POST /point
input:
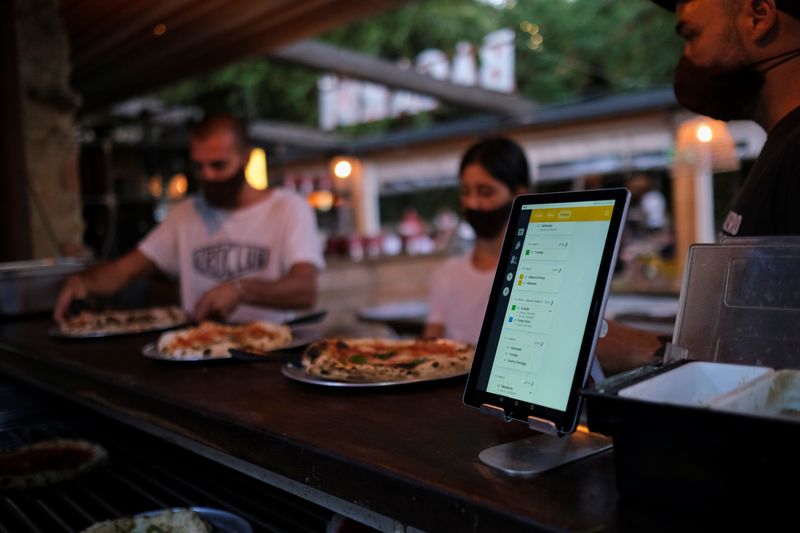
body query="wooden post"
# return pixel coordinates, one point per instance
(15, 236)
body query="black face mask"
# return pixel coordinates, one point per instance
(224, 194)
(721, 94)
(488, 224)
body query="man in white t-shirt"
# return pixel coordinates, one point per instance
(241, 254)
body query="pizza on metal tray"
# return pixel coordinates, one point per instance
(213, 340)
(171, 520)
(48, 462)
(123, 321)
(368, 360)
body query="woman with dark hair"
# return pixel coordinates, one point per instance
(491, 174)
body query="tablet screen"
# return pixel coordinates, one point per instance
(546, 304)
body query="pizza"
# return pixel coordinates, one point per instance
(213, 340)
(48, 462)
(113, 322)
(171, 520)
(368, 360)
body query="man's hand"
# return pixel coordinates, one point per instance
(218, 302)
(102, 280)
(74, 289)
(625, 348)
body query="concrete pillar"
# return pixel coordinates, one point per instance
(366, 200)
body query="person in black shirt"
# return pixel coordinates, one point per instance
(741, 60)
(768, 201)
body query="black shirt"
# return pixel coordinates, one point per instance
(769, 202)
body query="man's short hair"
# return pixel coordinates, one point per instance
(216, 122)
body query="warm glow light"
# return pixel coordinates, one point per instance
(342, 169)
(704, 133)
(177, 187)
(256, 170)
(160, 29)
(155, 186)
(321, 200)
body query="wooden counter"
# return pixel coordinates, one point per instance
(407, 455)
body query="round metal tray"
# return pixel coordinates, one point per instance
(296, 372)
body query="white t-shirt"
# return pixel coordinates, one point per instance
(206, 246)
(459, 293)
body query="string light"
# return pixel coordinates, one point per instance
(536, 38)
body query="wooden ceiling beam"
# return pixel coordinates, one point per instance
(194, 36)
(150, 68)
(105, 20)
(201, 22)
(138, 30)
(82, 17)
(328, 58)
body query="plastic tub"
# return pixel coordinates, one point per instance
(697, 383)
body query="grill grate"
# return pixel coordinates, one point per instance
(143, 474)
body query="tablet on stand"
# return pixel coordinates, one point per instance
(544, 315)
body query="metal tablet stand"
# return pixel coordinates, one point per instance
(550, 449)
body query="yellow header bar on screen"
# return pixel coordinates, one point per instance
(572, 214)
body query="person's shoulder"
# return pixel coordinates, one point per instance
(787, 132)
(184, 209)
(451, 264)
(285, 201)
(285, 196)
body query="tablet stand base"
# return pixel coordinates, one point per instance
(531, 456)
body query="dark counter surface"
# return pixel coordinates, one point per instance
(408, 453)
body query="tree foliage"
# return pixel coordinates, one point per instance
(587, 47)
(592, 46)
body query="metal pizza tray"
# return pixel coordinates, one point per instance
(296, 372)
(56, 332)
(218, 519)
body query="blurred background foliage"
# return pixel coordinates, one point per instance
(584, 48)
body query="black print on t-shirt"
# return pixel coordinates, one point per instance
(228, 261)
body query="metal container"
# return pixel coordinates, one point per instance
(717, 421)
(32, 286)
(676, 445)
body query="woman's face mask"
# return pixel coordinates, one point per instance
(488, 224)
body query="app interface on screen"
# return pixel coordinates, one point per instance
(547, 291)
